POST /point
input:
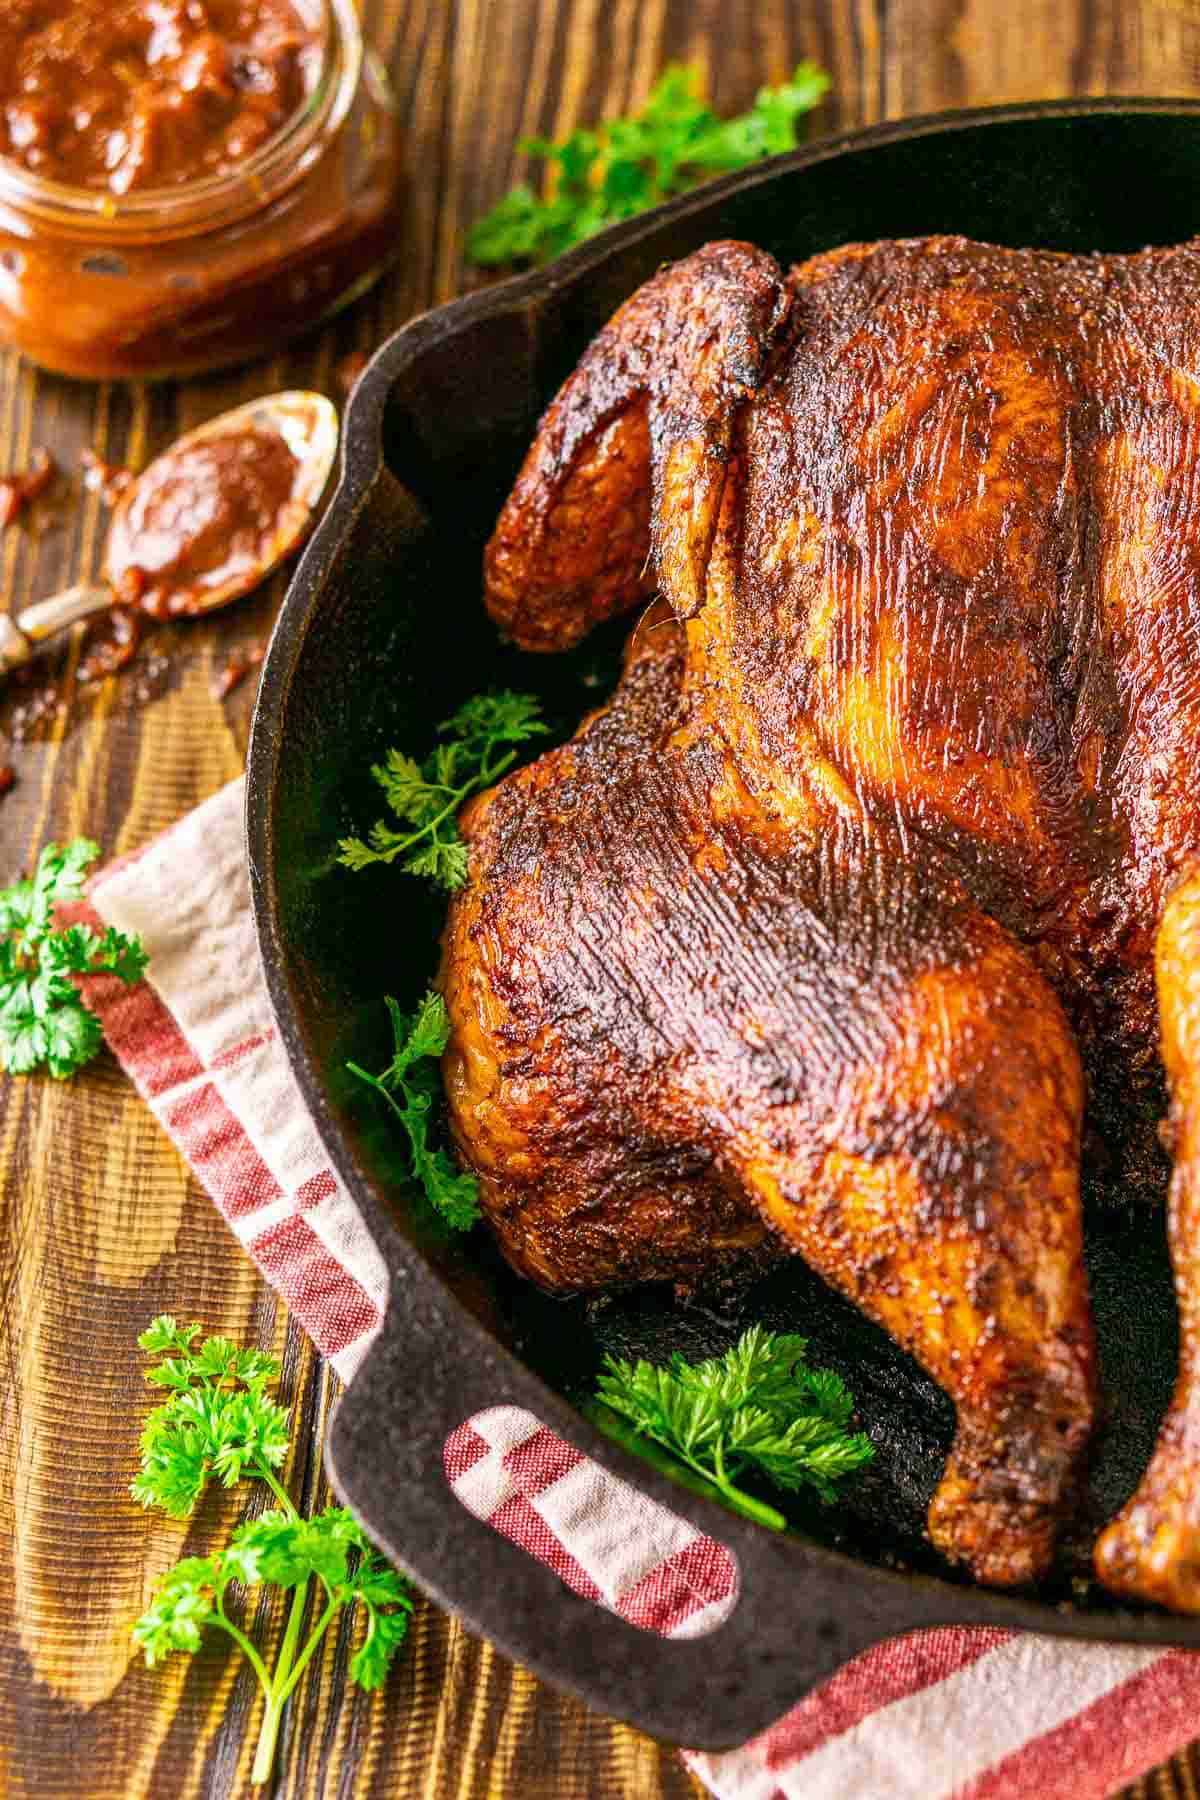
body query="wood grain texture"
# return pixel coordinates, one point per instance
(102, 1226)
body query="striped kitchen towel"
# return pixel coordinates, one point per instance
(973, 1714)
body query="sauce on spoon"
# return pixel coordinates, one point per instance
(210, 512)
(204, 524)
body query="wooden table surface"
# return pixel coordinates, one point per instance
(103, 1226)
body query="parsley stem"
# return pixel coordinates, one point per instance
(264, 1756)
(670, 1456)
(279, 1687)
(751, 1508)
(318, 1632)
(741, 1502)
(244, 1645)
(457, 796)
(374, 1081)
(722, 1478)
(490, 773)
(484, 778)
(280, 1493)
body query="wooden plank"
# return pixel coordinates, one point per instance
(101, 1225)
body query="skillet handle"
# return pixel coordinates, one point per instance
(801, 1612)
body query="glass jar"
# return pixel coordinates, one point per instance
(176, 280)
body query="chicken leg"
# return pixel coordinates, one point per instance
(856, 1057)
(1152, 1547)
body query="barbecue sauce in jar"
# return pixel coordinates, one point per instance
(124, 94)
(186, 183)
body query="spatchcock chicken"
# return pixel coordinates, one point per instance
(886, 851)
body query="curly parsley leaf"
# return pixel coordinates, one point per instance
(411, 1085)
(381, 1594)
(218, 1420)
(163, 1333)
(759, 1410)
(627, 165)
(182, 1606)
(479, 742)
(43, 1019)
(476, 749)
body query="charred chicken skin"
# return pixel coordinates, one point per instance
(887, 846)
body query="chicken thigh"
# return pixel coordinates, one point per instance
(820, 934)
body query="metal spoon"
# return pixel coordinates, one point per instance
(308, 424)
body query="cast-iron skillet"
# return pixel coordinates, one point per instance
(382, 635)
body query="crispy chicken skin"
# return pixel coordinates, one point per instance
(811, 935)
(632, 455)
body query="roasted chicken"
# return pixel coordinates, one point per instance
(822, 934)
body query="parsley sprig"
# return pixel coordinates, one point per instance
(425, 796)
(219, 1420)
(626, 165)
(411, 1084)
(43, 1019)
(759, 1410)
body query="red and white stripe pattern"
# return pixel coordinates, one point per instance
(198, 1040)
(940, 1715)
(602, 1537)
